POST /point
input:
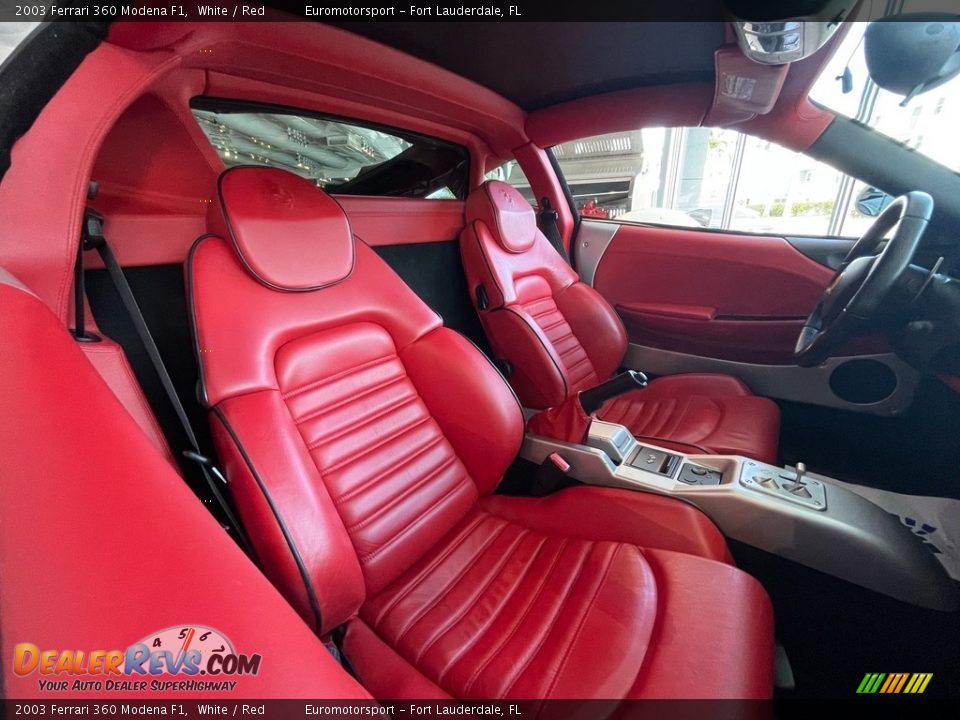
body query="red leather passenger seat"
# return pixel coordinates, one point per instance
(363, 441)
(560, 337)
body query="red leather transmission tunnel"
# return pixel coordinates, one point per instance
(560, 336)
(363, 441)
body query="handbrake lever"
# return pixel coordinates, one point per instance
(591, 400)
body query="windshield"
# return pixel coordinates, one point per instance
(928, 124)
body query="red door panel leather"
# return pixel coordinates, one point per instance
(724, 295)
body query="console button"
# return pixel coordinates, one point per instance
(651, 460)
(698, 475)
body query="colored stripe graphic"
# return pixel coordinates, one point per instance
(894, 683)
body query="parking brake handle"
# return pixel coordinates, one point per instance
(591, 400)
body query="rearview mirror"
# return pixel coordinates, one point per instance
(911, 53)
(871, 202)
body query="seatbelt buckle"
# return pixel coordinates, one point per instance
(206, 462)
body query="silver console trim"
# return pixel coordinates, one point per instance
(593, 239)
(848, 537)
(780, 483)
(787, 382)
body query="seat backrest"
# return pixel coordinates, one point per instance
(355, 430)
(557, 333)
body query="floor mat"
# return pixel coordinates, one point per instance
(934, 520)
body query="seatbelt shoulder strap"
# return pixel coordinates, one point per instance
(93, 239)
(547, 220)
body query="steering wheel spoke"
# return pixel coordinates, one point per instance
(866, 276)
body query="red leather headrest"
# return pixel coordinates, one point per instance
(289, 234)
(504, 211)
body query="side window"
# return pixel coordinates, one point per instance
(510, 172)
(702, 178)
(341, 156)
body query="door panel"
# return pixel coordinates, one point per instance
(706, 301)
(722, 295)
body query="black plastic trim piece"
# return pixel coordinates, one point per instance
(826, 251)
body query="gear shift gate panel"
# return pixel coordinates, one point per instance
(797, 487)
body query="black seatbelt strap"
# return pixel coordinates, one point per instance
(93, 239)
(547, 219)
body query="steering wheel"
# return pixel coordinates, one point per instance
(864, 278)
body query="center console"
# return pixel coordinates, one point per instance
(786, 511)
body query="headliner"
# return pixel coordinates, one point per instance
(540, 64)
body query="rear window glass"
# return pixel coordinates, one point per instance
(338, 155)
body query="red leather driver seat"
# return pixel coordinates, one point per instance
(560, 337)
(362, 441)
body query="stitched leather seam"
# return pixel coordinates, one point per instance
(558, 323)
(442, 630)
(578, 363)
(404, 494)
(357, 424)
(414, 582)
(494, 615)
(522, 617)
(378, 443)
(442, 591)
(553, 619)
(417, 522)
(371, 481)
(583, 619)
(366, 392)
(336, 376)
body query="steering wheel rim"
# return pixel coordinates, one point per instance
(864, 278)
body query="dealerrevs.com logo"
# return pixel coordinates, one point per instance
(192, 658)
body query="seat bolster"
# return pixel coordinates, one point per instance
(536, 375)
(712, 385)
(469, 399)
(596, 326)
(381, 669)
(713, 638)
(613, 514)
(475, 253)
(692, 418)
(298, 534)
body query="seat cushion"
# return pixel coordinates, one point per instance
(501, 611)
(700, 413)
(506, 606)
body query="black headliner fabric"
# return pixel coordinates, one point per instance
(539, 64)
